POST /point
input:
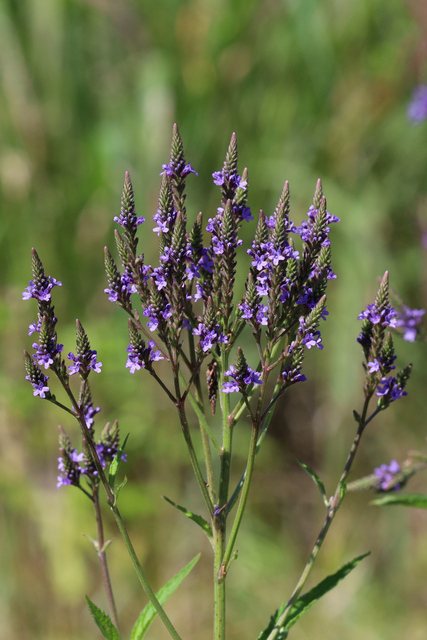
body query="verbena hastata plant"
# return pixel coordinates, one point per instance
(184, 312)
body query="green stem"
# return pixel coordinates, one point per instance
(243, 496)
(141, 576)
(219, 577)
(201, 417)
(227, 440)
(335, 504)
(193, 457)
(103, 561)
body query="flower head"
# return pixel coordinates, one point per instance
(417, 110)
(386, 474)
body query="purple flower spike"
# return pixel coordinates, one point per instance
(386, 473)
(417, 110)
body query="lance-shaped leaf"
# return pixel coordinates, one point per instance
(316, 480)
(193, 516)
(418, 500)
(303, 603)
(103, 621)
(148, 614)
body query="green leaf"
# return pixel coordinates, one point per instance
(273, 622)
(408, 500)
(316, 480)
(303, 603)
(195, 518)
(103, 621)
(119, 488)
(115, 464)
(148, 614)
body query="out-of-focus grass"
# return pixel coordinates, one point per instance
(90, 89)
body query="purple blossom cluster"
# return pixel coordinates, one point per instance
(386, 474)
(41, 290)
(72, 465)
(47, 350)
(84, 364)
(390, 389)
(385, 316)
(283, 287)
(241, 379)
(409, 321)
(417, 110)
(209, 337)
(378, 348)
(141, 356)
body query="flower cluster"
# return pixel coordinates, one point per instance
(417, 110)
(242, 376)
(72, 465)
(140, 355)
(47, 353)
(409, 322)
(192, 287)
(386, 474)
(86, 359)
(378, 348)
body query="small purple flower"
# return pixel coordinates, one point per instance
(386, 473)
(209, 337)
(409, 321)
(123, 221)
(181, 170)
(387, 317)
(83, 364)
(291, 375)
(106, 452)
(40, 389)
(70, 468)
(390, 389)
(89, 412)
(44, 355)
(417, 110)
(374, 366)
(141, 356)
(41, 292)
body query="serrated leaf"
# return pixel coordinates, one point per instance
(194, 517)
(418, 500)
(317, 481)
(103, 621)
(303, 603)
(115, 464)
(148, 613)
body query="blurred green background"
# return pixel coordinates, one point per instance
(313, 89)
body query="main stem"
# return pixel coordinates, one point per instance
(219, 531)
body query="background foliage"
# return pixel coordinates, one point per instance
(313, 89)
